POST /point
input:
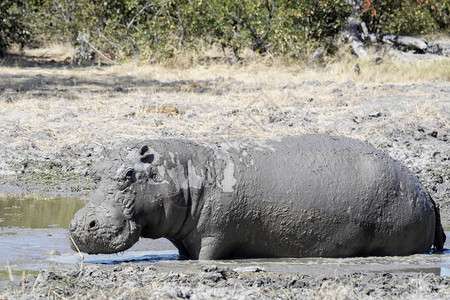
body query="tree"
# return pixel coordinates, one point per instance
(12, 27)
(159, 29)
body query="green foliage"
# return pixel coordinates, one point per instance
(160, 29)
(12, 27)
(278, 26)
(409, 17)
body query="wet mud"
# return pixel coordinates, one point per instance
(144, 281)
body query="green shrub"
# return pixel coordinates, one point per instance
(411, 17)
(12, 26)
(160, 29)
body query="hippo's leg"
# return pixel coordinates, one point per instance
(213, 248)
(182, 251)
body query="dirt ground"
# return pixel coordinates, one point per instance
(210, 281)
(57, 121)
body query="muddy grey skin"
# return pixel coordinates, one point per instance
(305, 196)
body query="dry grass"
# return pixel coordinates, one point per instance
(51, 107)
(55, 51)
(276, 71)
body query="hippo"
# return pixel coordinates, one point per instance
(303, 196)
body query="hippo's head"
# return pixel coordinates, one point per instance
(102, 227)
(143, 194)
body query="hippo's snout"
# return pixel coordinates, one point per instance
(102, 229)
(89, 224)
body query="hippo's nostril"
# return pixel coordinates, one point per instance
(92, 224)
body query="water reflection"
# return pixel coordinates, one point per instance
(151, 258)
(38, 211)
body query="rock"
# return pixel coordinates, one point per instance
(54, 253)
(253, 269)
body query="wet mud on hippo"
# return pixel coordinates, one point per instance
(304, 196)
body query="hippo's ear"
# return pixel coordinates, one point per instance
(146, 156)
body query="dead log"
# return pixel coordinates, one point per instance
(406, 56)
(353, 34)
(439, 48)
(405, 42)
(358, 35)
(358, 47)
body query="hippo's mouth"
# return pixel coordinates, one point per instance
(110, 234)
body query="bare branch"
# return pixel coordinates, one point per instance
(82, 38)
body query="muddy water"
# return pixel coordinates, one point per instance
(31, 230)
(38, 211)
(438, 264)
(33, 236)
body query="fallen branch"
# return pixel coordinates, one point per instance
(408, 42)
(358, 35)
(353, 34)
(405, 56)
(82, 38)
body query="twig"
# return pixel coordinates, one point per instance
(8, 267)
(23, 283)
(140, 12)
(35, 284)
(132, 47)
(234, 289)
(108, 40)
(79, 253)
(147, 5)
(58, 295)
(76, 247)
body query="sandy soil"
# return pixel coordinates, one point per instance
(57, 121)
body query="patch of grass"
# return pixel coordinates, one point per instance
(49, 173)
(54, 51)
(388, 71)
(7, 233)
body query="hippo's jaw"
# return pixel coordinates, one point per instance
(103, 229)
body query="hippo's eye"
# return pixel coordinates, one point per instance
(129, 174)
(129, 177)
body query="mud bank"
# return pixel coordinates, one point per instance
(128, 281)
(56, 125)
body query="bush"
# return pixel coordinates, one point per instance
(12, 27)
(160, 29)
(411, 17)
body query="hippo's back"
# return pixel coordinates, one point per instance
(320, 195)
